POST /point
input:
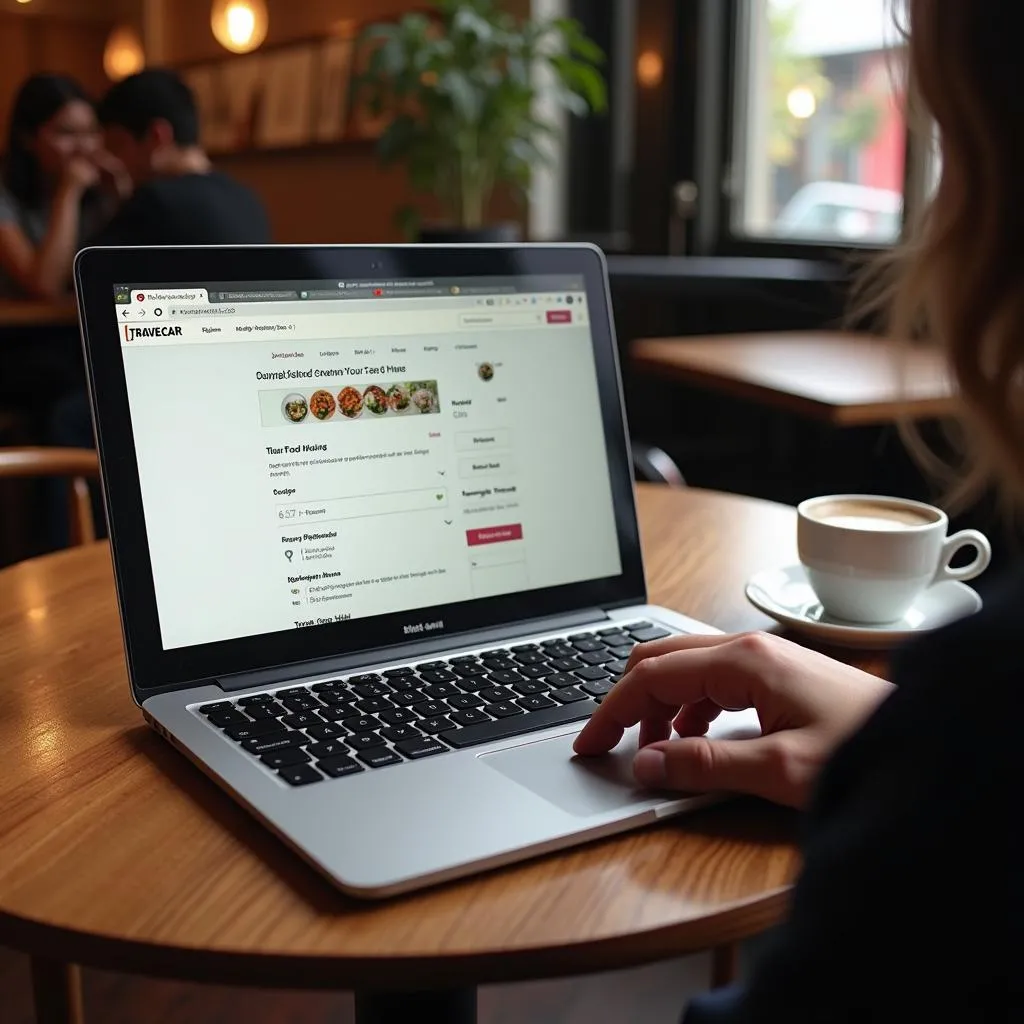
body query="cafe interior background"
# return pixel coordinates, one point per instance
(752, 156)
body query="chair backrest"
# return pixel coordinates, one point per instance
(78, 465)
(655, 466)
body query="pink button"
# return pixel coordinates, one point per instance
(559, 316)
(494, 535)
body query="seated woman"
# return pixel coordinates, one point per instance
(908, 907)
(50, 200)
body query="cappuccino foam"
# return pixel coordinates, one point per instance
(871, 515)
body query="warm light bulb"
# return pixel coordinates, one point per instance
(239, 25)
(801, 103)
(24, 1)
(649, 69)
(123, 54)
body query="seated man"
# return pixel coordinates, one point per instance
(151, 124)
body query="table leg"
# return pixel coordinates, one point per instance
(724, 965)
(57, 990)
(455, 1006)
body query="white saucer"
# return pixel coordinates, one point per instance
(786, 595)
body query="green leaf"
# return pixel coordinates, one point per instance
(397, 139)
(408, 220)
(465, 101)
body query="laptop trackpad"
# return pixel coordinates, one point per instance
(582, 786)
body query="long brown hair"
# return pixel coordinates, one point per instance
(960, 279)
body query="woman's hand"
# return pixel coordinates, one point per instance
(80, 175)
(807, 704)
(113, 178)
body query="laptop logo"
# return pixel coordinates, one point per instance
(133, 333)
(423, 627)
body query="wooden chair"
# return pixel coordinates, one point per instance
(78, 465)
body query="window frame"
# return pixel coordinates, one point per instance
(722, 111)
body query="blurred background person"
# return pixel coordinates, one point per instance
(50, 196)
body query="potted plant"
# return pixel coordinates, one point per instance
(461, 85)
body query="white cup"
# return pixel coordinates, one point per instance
(868, 556)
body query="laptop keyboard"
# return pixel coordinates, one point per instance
(343, 726)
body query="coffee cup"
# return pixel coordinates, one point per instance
(868, 557)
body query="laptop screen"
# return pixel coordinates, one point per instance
(315, 452)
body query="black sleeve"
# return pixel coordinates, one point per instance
(138, 222)
(906, 902)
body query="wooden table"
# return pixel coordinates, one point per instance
(840, 378)
(116, 853)
(18, 313)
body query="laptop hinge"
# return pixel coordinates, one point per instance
(407, 652)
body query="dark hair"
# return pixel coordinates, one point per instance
(155, 94)
(39, 99)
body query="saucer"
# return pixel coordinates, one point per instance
(786, 595)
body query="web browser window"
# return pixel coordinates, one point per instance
(314, 452)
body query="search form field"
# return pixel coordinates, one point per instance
(524, 318)
(361, 506)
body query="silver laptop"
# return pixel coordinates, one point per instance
(376, 550)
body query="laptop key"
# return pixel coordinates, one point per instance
(598, 687)
(560, 650)
(474, 684)
(327, 685)
(276, 741)
(486, 731)
(567, 695)
(523, 648)
(285, 758)
(566, 664)
(407, 697)
(468, 671)
(500, 652)
(398, 673)
(622, 651)
(616, 639)
(431, 666)
(253, 698)
(396, 733)
(464, 659)
(537, 671)
(364, 677)
(424, 746)
(438, 676)
(300, 719)
(576, 637)
(337, 697)
(264, 710)
(471, 716)
(643, 636)
(503, 709)
(338, 713)
(327, 731)
(222, 719)
(529, 686)
(337, 767)
(294, 691)
(499, 664)
(300, 775)
(373, 705)
(301, 703)
(365, 741)
(637, 625)
(531, 658)
(466, 700)
(596, 657)
(505, 678)
(588, 645)
(431, 708)
(438, 691)
(617, 667)
(372, 688)
(253, 729)
(379, 757)
(496, 694)
(561, 679)
(398, 716)
(535, 703)
(402, 683)
(329, 748)
(362, 723)
(436, 724)
(591, 672)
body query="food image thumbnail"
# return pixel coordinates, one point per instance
(321, 405)
(295, 408)
(424, 398)
(376, 400)
(485, 371)
(398, 397)
(350, 402)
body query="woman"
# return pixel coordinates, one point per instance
(908, 907)
(52, 165)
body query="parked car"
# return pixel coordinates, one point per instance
(842, 211)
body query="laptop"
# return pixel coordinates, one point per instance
(376, 550)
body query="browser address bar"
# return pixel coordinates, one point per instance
(519, 318)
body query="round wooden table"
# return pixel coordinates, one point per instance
(116, 853)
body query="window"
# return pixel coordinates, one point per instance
(820, 133)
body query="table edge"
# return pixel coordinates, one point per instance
(733, 923)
